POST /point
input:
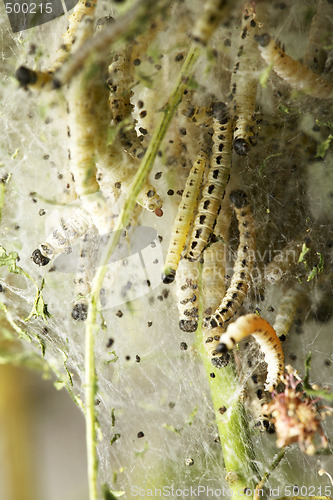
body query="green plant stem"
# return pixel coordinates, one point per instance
(320, 393)
(273, 466)
(232, 425)
(91, 328)
(90, 393)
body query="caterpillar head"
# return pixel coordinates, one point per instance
(263, 40)
(80, 312)
(238, 198)
(39, 258)
(222, 348)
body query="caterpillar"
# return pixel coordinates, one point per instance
(188, 295)
(44, 79)
(214, 11)
(82, 282)
(293, 72)
(214, 190)
(239, 285)
(213, 276)
(252, 371)
(62, 238)
(265, 335)
(244, 86)
(213, 286)
(291, 300)
(120, 79)
(184, 217)
(86, 96)
(315, 55)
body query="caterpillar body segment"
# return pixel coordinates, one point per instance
(214, 189)
(240, 281)
(293, 72)
(265, 335)
(188, 295)
(184, 217)
(213, 13)
(62, 238)
(244, 86)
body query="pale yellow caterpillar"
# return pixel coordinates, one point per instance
(214, 11)
(293, 72)
(44, 79)
(184, 217)
(213, 276)
(239, 285)
(188, 295)
(265, 335)
(213, 287)
(315, 55)
(86, 96)
(121, 76)
(244, 86)
(62, 238)
(120, 79)
(291, 300)
(214, 190)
